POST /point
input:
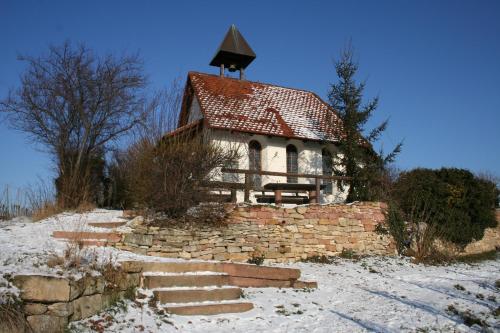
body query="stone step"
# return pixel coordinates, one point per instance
(107, 225)
(196, 295)
(91, 242)
(241, 270)
(260, 272)
(176, 267)
(185, 280)
(246, 282)
(110, 237)
(209, 309)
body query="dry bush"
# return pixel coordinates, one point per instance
(112, 272)
(424, 234)
(210, 213)
(416, 234)
(168, 173)
(12, 316)
(169, 177)
(426, 247)
(85, 207)
(50, 209)
(75, 256)
(13, 203)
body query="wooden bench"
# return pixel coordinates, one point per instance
(279, 188)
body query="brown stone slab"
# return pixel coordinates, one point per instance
(80, 235)
(181, 267)
(254, 271)
(210, 309)
(246, 282)
(164, 281)
(196, 295)
(305, 284)
(93, 242)
(107, 225)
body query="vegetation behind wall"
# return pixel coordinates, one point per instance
(459, 204)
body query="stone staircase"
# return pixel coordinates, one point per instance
(93, 238)
(209, 288)
(88, 238)
(192, 287)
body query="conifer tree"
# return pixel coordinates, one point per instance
(357, 158)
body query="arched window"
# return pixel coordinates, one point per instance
(255, 161)
(292, 162)
(327, 162)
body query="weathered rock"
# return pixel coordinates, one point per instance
(129, 281)
(139, 239)
(86, 306)
(93, 285)
(41, 288)
(35, 308)
(47, 324)
(60, 309)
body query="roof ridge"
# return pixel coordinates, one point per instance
(256, 82)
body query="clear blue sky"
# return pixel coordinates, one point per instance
(435, 64)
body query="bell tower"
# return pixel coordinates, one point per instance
(234, 53)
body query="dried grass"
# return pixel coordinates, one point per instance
(46, 211)
(12, 317)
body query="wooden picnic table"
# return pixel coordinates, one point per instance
(278, 188)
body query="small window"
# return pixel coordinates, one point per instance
(327, 161)
(255, 161)
(292, 163)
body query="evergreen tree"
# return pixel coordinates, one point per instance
(357, 158)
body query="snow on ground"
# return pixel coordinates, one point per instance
(26, 246)
(374, 294)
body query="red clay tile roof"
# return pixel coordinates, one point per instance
(260, 108)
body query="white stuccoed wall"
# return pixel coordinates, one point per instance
(194, 111)
(274, 157)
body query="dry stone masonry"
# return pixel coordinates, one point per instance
(51, 302)
(278, 234)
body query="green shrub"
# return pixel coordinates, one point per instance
(396, 227)
(459, 204)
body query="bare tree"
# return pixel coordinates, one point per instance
(75, 104)
(166, 171)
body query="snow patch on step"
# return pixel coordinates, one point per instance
(194, 288)
(184, 273)
(173, 305)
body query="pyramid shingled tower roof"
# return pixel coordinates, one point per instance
(234, 52)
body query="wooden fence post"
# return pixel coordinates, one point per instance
(318, 190)
(247, 187)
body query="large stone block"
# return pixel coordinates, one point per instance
(46, 289)
(34, 308)
(64, 309)
(47, 324)
(138, 239)
(86, 306)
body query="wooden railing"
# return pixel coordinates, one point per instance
(248, 186)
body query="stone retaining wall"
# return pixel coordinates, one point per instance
(489, 242)
(279, 234)
(51, 302)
